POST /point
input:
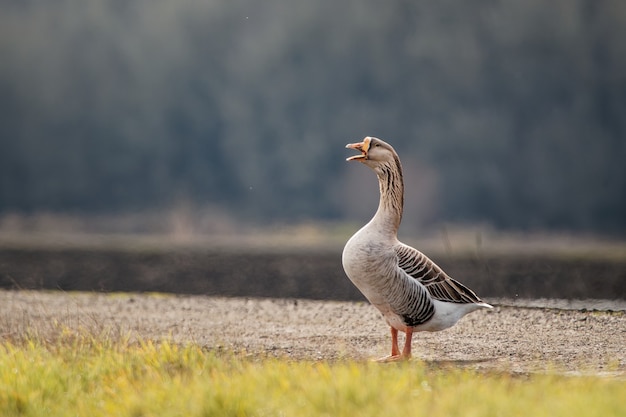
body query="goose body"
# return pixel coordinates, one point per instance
(410, 290)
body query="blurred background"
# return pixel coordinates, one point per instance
(213, 117)
(506, 113)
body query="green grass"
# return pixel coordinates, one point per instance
(94, 376)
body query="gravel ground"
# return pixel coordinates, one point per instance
(514, 336)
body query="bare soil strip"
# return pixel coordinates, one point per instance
(509, 338)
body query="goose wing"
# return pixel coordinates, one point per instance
(439, 285)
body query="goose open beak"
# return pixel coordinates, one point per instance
(363, 147)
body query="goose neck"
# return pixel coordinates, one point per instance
(390, 206)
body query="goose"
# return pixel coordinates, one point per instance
(410, 290)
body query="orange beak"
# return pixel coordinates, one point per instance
(363, 147)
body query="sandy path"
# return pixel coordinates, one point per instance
(507, 338)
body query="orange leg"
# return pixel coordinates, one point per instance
(395, 351)
(394, 342)
(406, 352)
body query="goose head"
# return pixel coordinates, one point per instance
(374, 152)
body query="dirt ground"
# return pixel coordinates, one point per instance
(510, 338)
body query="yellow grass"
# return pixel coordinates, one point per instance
(95, 376)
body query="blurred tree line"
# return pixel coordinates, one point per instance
(511, 113)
